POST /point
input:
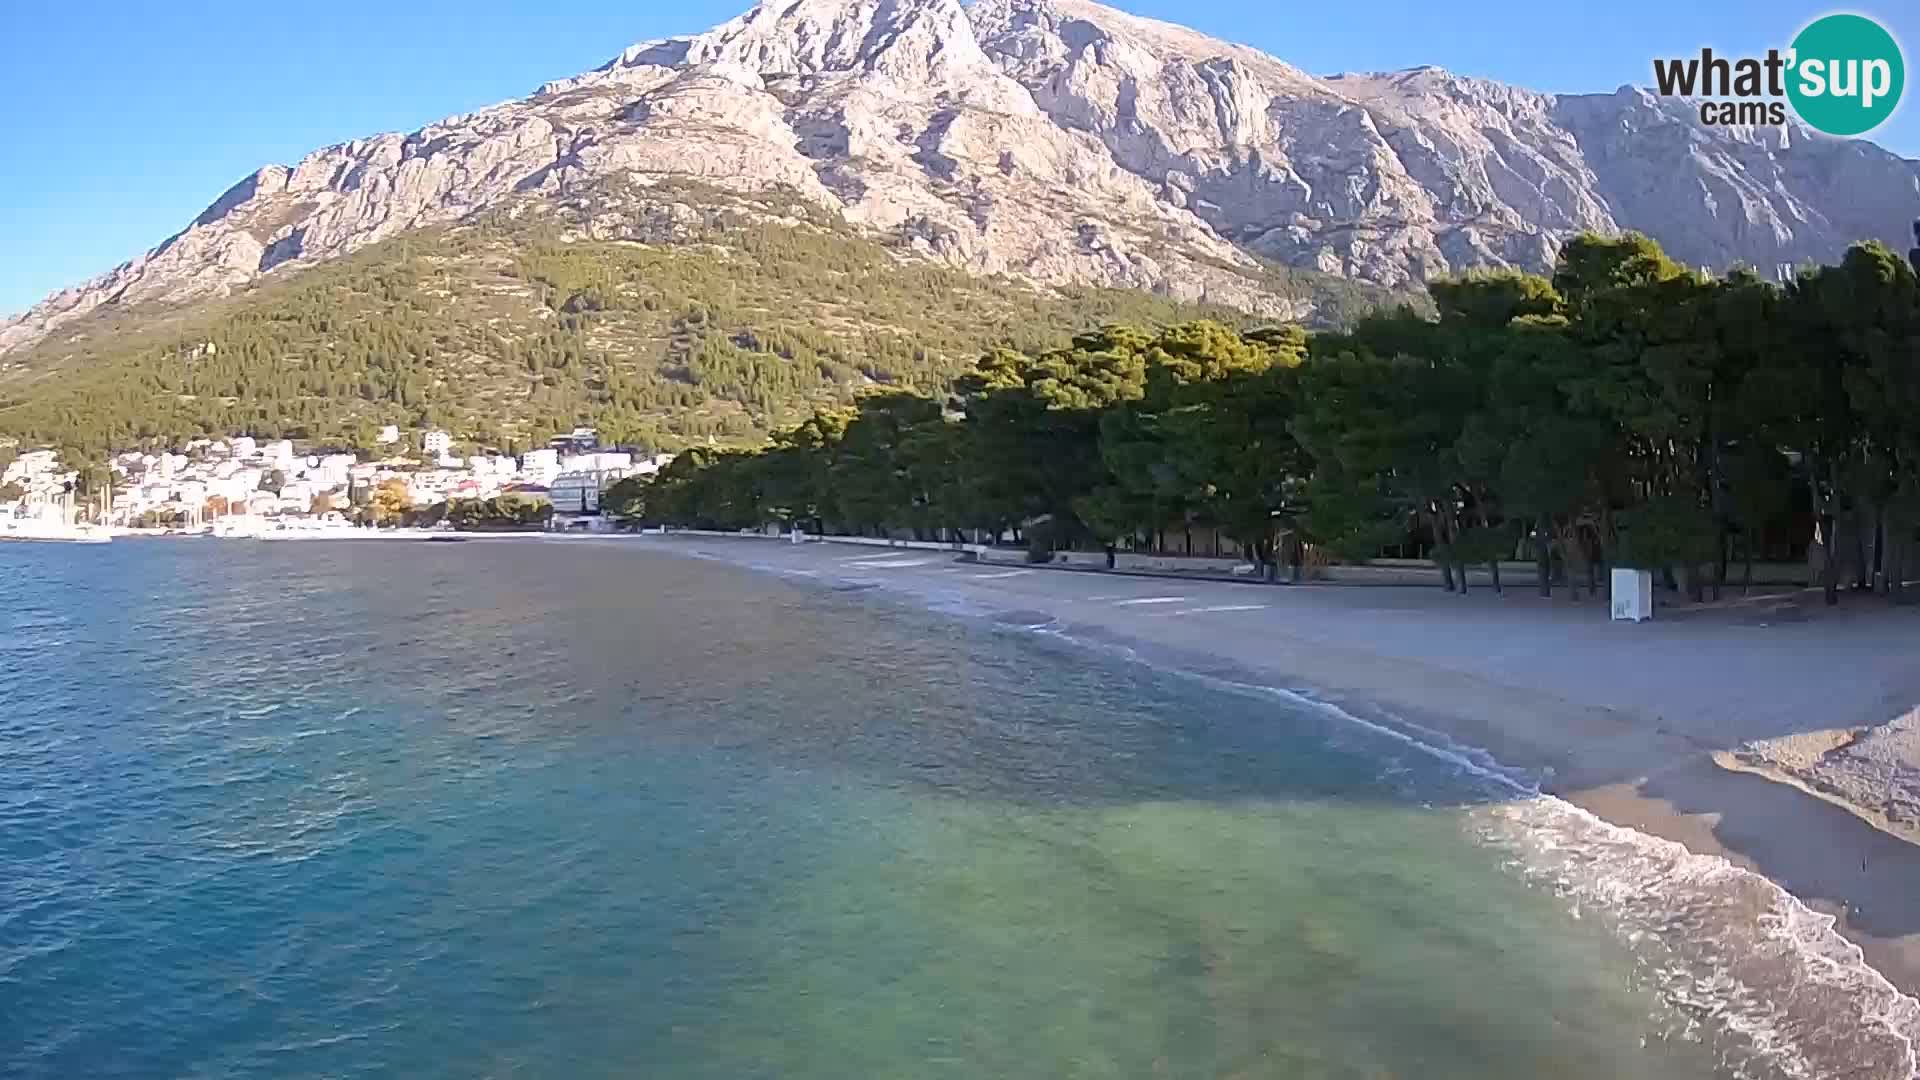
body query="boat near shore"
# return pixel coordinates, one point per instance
(35, 531)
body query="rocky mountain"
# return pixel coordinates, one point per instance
(1062, 142)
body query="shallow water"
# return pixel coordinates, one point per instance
(527, 809)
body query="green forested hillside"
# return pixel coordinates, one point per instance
(734, 319)
(1626, 412)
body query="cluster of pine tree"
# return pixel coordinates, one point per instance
(1625, 411)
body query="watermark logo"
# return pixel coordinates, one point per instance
(1843, 75)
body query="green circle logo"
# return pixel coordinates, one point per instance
(1847, 74)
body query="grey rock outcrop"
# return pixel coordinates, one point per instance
(1065, 142)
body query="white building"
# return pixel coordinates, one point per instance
(332, 471)
(540, 466)
(279, 455)
(29, 465)
(492, 472)
(598, 461)
(244, 446)
(578, 491)
(647, 466)
(575, 493)
(437, 443)
(389, 435)
(238, 486)
(429, 486)
(580, 441)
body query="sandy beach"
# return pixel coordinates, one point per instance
(1777, 736)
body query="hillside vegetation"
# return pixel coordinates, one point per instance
(690, 316)
(1627, 412)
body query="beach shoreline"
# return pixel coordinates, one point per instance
(1632, 723)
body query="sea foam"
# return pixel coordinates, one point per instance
(1742, 964)
(1772, 983)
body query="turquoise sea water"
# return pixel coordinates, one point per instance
(524, 809)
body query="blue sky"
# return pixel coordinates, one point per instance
(125, 119)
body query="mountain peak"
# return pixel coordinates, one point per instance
(908, 40)
(1060, 141)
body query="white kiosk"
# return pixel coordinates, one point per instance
(1632, 595)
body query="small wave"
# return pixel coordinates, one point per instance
(1723, 944)
(1472, 760)
(1738, 952)
(1727, 948)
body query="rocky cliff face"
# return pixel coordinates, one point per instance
(1066, 142)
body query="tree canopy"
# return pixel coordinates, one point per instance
(1624, 411)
